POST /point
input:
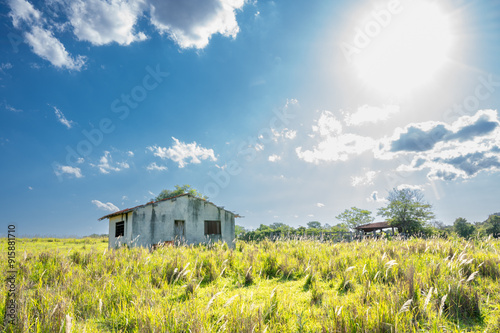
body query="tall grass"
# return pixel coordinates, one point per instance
(288, 285)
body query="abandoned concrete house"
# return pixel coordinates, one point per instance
(182, 218)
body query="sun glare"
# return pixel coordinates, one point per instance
(407, 53)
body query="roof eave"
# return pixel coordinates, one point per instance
(128, 210)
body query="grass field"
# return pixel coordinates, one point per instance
(416, 285)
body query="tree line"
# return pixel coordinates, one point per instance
(406, 211)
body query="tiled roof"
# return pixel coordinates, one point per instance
(373, 226)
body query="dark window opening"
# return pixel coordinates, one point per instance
(212, 228)
(120, 229)
(179, 229)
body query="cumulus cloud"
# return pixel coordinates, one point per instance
(327, 125)
(62, 119)
(106, 164)
(411, 187)
(108, 206)
(44, 44)
(191, 23)
(319, 204)
(464, 166)
(483, 124)
(366, 179)
(424, 136)
(334, 145)
(457, 151)
(69, 170)
(375, 197)
(283, 134)
(370, 114)
(155, 167)
(103, 22)
(41, 39)
(184, 153)
(23, 11)
(274, 158)
(417, 139)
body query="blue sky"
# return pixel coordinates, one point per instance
(282, 111)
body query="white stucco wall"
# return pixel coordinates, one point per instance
(155, 222)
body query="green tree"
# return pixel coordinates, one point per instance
(493, 225)
(355, 216)
(165, 194)
(239, 231)
(264, 227)
(407, 210)
(314, 225)
(281, 227)
(278, 226)
(463, 228)
(338, 227)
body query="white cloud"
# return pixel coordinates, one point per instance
(154, 166)
(366, 179)
(103, 22)
(274, 158)
(66, 169)
(336, 148)
(108, 206)
(333, 144)
(4, 66)
(327, 125)
(180, 152)
(62, 119)
(130, 153)
(448, 151)
(319, 204)
(285, 134)
(11, 108)
(30, 188)
(370, 114)
(41, 40)
(458, 151)
(411, 187)
(23, 11)
(191, 23)
(44, 44)
(374, 197)
(106, 164)
(259, 147)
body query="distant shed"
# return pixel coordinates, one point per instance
(371, 227)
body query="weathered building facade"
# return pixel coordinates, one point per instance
(182, 218)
